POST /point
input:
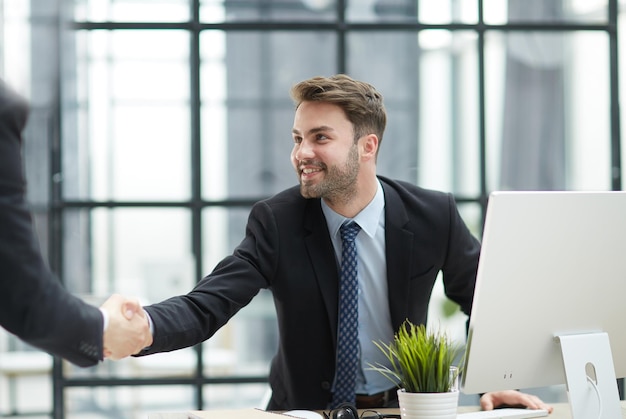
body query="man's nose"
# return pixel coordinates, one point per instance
(305, 151)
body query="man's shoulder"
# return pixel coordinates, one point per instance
(406, 202)
(410, 190)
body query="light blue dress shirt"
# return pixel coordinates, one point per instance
(374, 315)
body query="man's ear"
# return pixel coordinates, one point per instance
(369, 146)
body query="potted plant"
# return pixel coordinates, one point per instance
(422, 366)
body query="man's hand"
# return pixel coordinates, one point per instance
(512, 398)
(128, 331)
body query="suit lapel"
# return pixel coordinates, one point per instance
(322, 255)
(399, 251)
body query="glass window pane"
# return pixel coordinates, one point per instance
(15, 32)
(424, 11)
(431, 97)
(451, 11)
(26, 387)
(472, 214)
(251, 336)
(236, 396)
(375, 11)
(449, 112)
(246, 345)
(548, 124)
(132, 10)
(247, 113)
(215, 11)
(223, 229)
(129, 136)
(179, 363)
(140, 252)
(127, 402)
(498, 12)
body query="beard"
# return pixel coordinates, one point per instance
(339, 182)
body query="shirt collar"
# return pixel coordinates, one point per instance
(368, 218)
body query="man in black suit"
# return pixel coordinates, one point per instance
(292, 247)
(33, 304)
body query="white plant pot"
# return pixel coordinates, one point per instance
(428, 405)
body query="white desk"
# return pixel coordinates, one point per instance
(561, 411)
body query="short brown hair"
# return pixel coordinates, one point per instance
(361, 102)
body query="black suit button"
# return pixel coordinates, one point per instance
(325, 385)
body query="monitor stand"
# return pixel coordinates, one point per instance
(590, 376)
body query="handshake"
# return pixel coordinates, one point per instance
(127, 331)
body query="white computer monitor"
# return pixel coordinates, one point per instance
(551, 297)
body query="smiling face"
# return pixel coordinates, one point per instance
(324, 155)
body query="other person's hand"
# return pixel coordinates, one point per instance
(128, 331)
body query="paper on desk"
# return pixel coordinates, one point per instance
(235, 414)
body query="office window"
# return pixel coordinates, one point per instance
(246, 111)
(538, 11)
(126, 117)
(548, 106)
(156, 125)
(216, 11)
(130, 10)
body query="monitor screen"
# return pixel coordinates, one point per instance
(552, 265)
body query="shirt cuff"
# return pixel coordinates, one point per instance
(149, 322)
(151, 325)
(105, 320)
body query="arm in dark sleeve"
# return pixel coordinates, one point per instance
(461, 264)
(33, 304)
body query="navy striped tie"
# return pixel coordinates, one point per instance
(347, 333)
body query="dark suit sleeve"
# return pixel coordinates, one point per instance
(426, 237)
(33, 304)
(461, 262)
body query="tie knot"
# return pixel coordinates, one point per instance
(349, 231)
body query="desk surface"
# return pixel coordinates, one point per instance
(561, 411)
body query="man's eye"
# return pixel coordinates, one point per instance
(297, 140)
(321, 137)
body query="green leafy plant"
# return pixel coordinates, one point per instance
(421, 359)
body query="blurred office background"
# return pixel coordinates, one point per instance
(155, 124)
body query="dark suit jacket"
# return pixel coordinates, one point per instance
(33, 304)
(287, 248)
